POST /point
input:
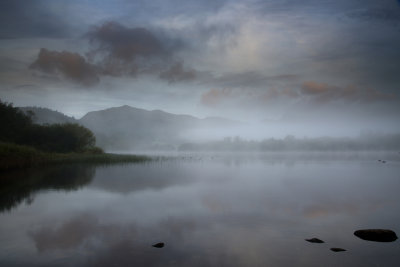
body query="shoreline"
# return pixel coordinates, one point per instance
(14, 156)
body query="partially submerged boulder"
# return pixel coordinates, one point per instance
(377, 235)
(159, 245)
(314, 240)
(338, 249)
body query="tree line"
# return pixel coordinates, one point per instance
(17, 127)
(365, 142)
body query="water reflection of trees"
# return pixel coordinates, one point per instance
(19, 186)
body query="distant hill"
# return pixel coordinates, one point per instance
(127, 128)
(47, 116)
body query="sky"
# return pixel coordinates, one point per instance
(311, 67)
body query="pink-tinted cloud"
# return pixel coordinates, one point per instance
(323, 92)
(70, 65)
(307, 91)
(215, 97)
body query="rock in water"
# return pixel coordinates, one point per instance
(314, 240)
(158, 245)
(378, 235)
(338, 249)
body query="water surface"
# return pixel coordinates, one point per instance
(210, 210)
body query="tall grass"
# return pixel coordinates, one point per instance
(14, 156)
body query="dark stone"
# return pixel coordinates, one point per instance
(378, 235)
(314, 240)
(338, 249)
(158, 245)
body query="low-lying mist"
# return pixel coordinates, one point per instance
(127, 128)
(365, 142)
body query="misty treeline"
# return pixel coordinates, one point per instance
(18, 128)
(365, 142)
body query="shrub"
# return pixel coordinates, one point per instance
(17, 127)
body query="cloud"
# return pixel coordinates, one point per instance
(214, 97)
(323, 92)
(125, 44)
(68, 236)
(384, 12)
(128, 244)
(120, 50)
(323, 210)
(116, 50)
(249, 97)
(22, 19)
(309, 91)
(177, 73)
(249, 79)
(70, 65)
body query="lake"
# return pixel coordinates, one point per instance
(208, 209)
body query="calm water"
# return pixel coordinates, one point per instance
(248, 210)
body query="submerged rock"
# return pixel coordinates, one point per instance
(338, 249)
(314, 240)
(158, 245)
(377, 235)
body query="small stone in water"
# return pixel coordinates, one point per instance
(315, 240)
(338, 249)
(158, 245)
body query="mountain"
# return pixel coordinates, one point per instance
(128, 128)
(47, 116)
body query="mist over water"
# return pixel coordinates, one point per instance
(210, 210)
(266, 123)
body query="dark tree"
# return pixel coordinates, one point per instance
(17, 127)
(13, 123)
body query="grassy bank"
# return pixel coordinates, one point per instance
(14, 156)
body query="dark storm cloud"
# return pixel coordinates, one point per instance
(70, 65)
(125, 44)
(120, 50)
(116, 50)
(24, 19)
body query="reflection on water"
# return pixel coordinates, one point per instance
(18, 186)
(209, 211)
